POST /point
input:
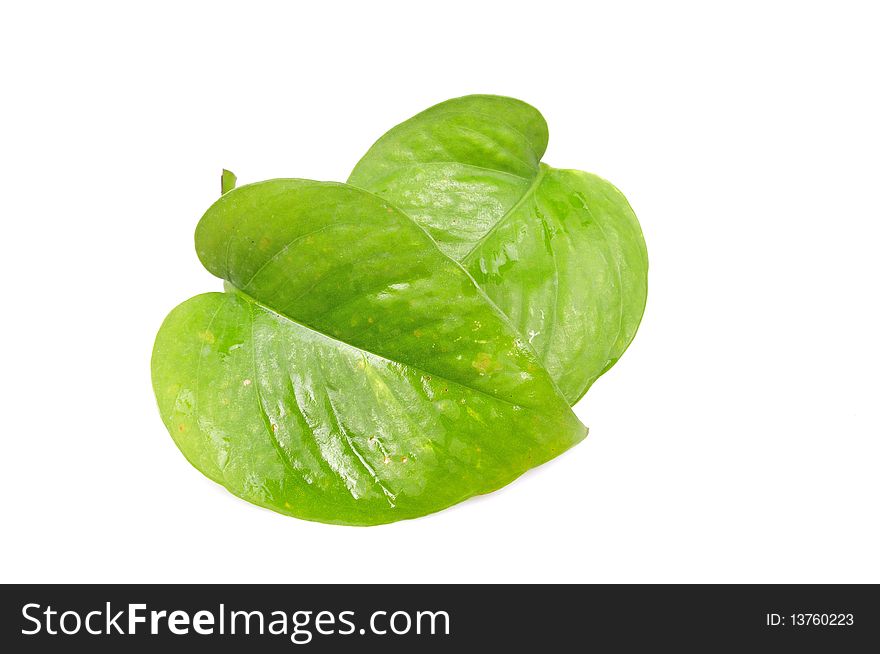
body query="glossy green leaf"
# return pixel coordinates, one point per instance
(559, 251)
(351, 373)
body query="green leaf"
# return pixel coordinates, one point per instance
(351, 373)
(559, 251)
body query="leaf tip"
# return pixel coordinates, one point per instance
(227, 181)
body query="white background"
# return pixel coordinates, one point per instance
(736, 441)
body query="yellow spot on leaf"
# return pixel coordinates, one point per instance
(484, 364)
(207, 336)
(246, 382)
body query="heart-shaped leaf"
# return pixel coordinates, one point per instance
(559, 251)
(351, 373)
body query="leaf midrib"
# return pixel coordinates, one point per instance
(234, 290)
(528, 193)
